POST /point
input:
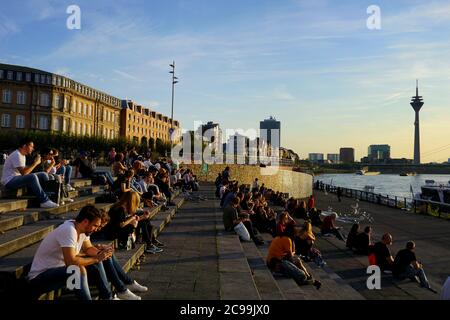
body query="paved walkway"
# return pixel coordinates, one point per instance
(432, 235)
(188, 267)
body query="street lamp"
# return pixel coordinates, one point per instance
(174, 81)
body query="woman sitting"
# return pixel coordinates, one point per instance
(304, 244)
(125, 219)
(282, 259)
(352, 236)
(283, 221)
(118, 168)
(328, 226)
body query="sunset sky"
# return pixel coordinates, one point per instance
(313, 64)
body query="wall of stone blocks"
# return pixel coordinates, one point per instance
(297, 184)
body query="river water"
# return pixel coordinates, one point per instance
(385, 184)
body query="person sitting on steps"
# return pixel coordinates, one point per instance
(16, 174)
(282, 259)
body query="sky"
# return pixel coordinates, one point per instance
(313, 65)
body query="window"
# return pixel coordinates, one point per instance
(6, 96)
(64, 128)
(113, 117)
(56, 124)
(79, 128)
(85, 109)
(6, 120)
(10, 75)
(21, 97)
(36, 78)
(49, 80)
(58, 81)
(90, 110)
(43, 122)
(45, 100)
(19, 76)
(57, 101)
(20, 121)
(80, 107)
(28, 77)
(66, 103)
(1, 74)
(42, 79)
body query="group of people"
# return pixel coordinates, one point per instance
(405, 264)
(68, 251)
(43, 168)
(247, 212)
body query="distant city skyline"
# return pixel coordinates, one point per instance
(313, 65)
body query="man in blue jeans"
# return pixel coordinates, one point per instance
(407, 266)
(70, 245)
(16, 174)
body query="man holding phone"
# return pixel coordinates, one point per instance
(17, 175)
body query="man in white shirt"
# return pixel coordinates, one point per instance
(61, 249)
(16, 174)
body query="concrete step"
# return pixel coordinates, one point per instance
(79, 183)
(265, 283)
(18, 262)
(10, 222)
(11, 205)
(128, 259)
(15, 240)
(76, 205)
(235, 276)
(85, 191)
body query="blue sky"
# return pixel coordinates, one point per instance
(314, 65)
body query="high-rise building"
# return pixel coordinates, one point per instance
(211, 132)
(333, 157)
(271, 127)
(379, 152)
(347, 155)
(416, 104)
(315, 157)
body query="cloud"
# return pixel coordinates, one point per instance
(127, 75)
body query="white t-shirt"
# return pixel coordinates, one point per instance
(147, 164)
(49, 255)
(445, 294)
(14, 161)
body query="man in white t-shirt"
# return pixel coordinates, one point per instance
(16, 174)
(61, 248)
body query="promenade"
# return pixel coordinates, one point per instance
(200, 261)
(432, 237)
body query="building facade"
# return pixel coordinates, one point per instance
(315, 157)
(270, 128)
(333, 157)
(379, 152)
(347, 155)
(37, 100)
(139, 124)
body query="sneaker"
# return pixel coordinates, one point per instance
(128, 295)
(159, 244)
(387, 271)
(136, 287)
(49, 204)
(115, 297)
(69, 187)
(153, 249)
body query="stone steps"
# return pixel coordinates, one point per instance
(235, 276)
(265, 283)
(11, 205)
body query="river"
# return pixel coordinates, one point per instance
(385, 184)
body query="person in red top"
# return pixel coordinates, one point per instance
(284, 220)
(328, 226)
(311, 203)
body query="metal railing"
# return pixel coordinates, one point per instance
(428, 207)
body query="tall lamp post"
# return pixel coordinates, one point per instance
(174, 81)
